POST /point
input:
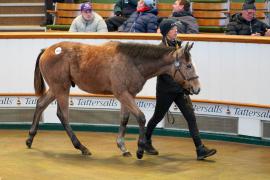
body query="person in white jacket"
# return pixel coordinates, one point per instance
(88, 21)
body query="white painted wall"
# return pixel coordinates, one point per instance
(233, 71)
(228, 71)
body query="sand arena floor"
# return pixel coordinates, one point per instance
(53, 157)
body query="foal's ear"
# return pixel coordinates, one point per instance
(188, 47)
(179, 53)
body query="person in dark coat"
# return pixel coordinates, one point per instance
(49, 5)
(245, 23)
(169, 91)
(185, 21)
(144, 20)
(122, 10)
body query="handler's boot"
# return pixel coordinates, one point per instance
(149, 149)
(203, 152)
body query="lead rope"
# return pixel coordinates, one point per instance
(169, 114)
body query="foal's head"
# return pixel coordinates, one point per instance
(183, 70)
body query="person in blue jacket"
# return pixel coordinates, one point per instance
(143, 20)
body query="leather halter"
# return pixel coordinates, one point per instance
(178, 64)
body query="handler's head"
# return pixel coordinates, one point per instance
(168, 28)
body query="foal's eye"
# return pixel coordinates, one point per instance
(189, 66)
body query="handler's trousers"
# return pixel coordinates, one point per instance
(163, 102)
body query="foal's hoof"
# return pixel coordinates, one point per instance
(127, 154)
(139, 154)
(28, 142)
(86, 152)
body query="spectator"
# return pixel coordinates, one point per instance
(245, 23)
(167, 92)
(48, 16)
(185, 21)
(88, 21)
(144, 19)
(122, 10)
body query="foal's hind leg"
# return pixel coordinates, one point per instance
(128, 101)
(62, 113)
(124, 114)
(42, 103)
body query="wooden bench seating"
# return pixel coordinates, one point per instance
(164, 9)
(210, 16)
(105, 10)
(64, 14)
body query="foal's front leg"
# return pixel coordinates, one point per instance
(124, 115)
(128, 101)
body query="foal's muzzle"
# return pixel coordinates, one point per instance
(197, 91)
(191, 91)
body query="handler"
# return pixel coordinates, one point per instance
(167, 92)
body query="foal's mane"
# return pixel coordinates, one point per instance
(145, 51)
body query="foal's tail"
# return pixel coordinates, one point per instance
(39, 84)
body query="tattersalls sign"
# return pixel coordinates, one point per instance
(148, 105)
(229, 110)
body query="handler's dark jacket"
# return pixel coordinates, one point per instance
(239, 26)
(165, 83)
